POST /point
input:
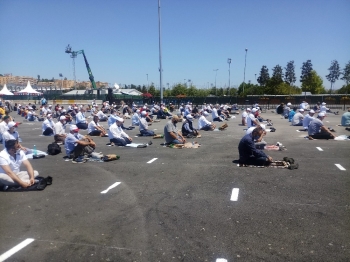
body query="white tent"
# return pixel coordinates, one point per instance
(5, 91)
(116, 86)
(28, 91)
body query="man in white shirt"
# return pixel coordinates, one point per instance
(3, 125)
(101, 115)
(298, 118)
(135, 120)
(251, 120)
(11, 159)
(60, 130)
(143, 125)
(47, 126)
(307, 119)
(11, 133)
(245, 115)
(203, 123)
(95, 129)
(116, 134)
(323, 108)
(43, 111)
(215, 115)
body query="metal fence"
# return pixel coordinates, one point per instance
(333, 101)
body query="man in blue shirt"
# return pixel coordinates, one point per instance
(248, 154)
(80, 120)
(75, 143)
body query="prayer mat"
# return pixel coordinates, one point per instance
(274, 164)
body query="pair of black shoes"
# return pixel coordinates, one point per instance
(292, 164)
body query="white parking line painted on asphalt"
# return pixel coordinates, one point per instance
(297, 130)
(15, 249)
(221, 260)
(234, 195)
(152, 160)
(112, 186)
(319, 149)
(340, 167)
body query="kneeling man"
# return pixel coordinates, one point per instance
(248, 154)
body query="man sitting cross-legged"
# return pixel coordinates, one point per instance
(60, 130)
(76, 144)
(116, 134)
(47, 126)
(11, 159)
(95, 129)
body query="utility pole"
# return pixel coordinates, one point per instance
(245, 64)
(216, 73)
(229, 72)
(61, 76)
(160, 54)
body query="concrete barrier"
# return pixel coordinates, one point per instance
(58, 101)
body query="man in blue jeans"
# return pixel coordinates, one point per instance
(248, 154)
(171, 134)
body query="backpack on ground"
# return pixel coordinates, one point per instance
(53, 149)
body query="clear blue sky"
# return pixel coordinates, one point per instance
(120, 38)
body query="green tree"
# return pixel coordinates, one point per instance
(313, 83)
(345, 89)
(233, 92)
(179, 89)
(346, 73)
(38, 78)
(306, 71)
(144, 89)
(289, 75)
(202, 92)
(272, 87)
(191, 91)
(152, 90)
(220, 91)
(264, 76)
(334, 73)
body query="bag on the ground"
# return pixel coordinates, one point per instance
(53, 149)
(110, 157)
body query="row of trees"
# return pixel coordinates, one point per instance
(280, 83)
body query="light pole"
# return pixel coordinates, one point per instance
(216, 73)
(160, 54)
(61, 76)
(245, 64)
(147, 83)
(255, 77)
(229, 72)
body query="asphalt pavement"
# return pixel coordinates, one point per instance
(187, 204)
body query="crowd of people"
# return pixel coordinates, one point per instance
(65, 124)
